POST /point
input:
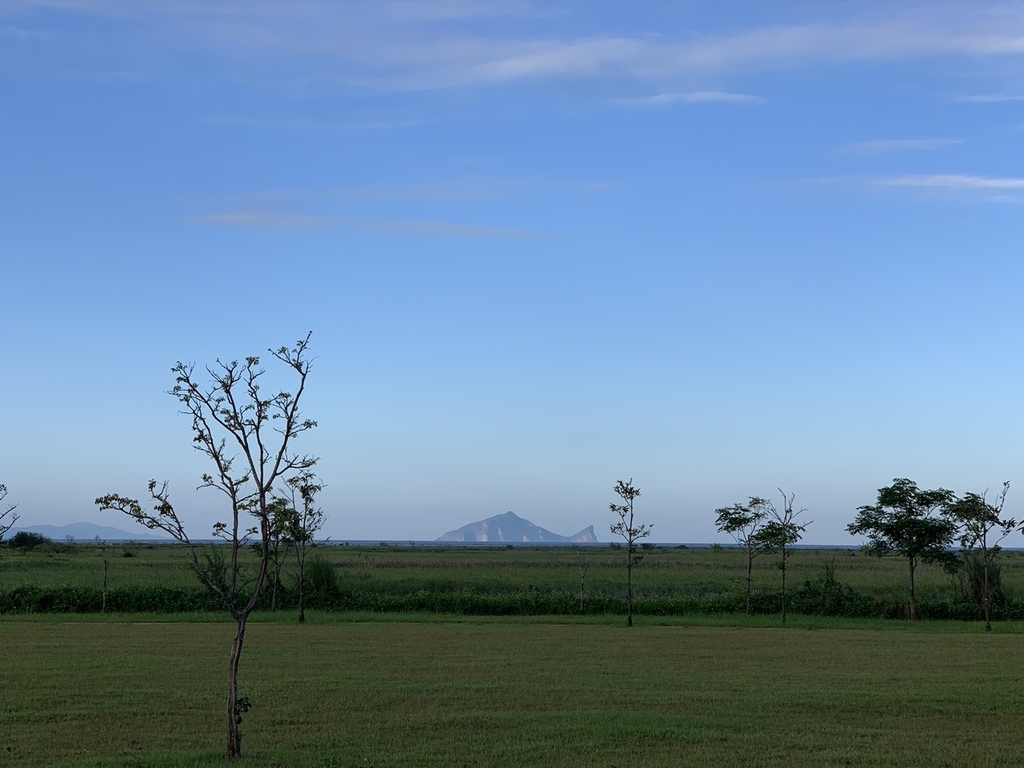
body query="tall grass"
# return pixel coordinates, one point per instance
(499, 581)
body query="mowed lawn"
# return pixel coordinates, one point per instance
(512, 693)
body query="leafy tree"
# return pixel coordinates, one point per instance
(977, 520)
(281, 515)
(779, 533)
(631, 532)
(903, 522)
(743, 522)
(29, 540)
(307, 520)
(8, 517)
(234, 422)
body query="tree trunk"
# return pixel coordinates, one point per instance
(302, 584)
(750, 578)
(583, 582)
(234, 712)
(783, 584)
(629, 593)
(985, 597)
(913, 603)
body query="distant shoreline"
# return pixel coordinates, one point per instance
(162, 541)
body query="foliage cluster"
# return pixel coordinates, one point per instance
(29, 540)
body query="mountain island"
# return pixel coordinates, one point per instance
(512, 528)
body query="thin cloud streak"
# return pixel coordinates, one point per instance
(901, 145)
(448, 229)
(950, 181)
(954, 181)
(275, 220)
(694, 97)
(269, 220)
(987, 98)
(459, 189)
(21, 34)
(309, 124)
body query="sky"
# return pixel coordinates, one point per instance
(717, 248)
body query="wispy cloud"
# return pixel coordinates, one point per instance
(103, 75)
(694, 97)
(278, 220)
(18, 33)
(468, 189)
(310, 124)
(460, 10)
(476, 60)
(407, 45)
(460, 189)
(999, 188)
(269, 220)
(901, 145)
(447, 229)
(954, 181)
(987, 98)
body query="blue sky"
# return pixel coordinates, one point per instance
(716, 247)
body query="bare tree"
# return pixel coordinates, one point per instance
(780, 533)
(233, 421)
(978, 520)
(8, 517)
(744, 522)
(631, 532)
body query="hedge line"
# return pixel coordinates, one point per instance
(812, 598)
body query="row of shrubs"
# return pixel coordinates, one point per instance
(822, 598)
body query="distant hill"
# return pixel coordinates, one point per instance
(512, 528)
(86, 532)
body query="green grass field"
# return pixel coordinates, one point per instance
(432, 689)
(342, 691)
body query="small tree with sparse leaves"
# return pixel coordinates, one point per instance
(246, 434)
(631, 532)
(744, 522)
(307, 521)
(978, 520)
(8, 517)
(282, 521)
(780, 532)
(584, 566)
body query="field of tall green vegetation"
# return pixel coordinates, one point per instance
(521, 580)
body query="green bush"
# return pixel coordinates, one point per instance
(321, 583)
(29, 540)
(971, 580)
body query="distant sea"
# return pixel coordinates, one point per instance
(529, 544)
